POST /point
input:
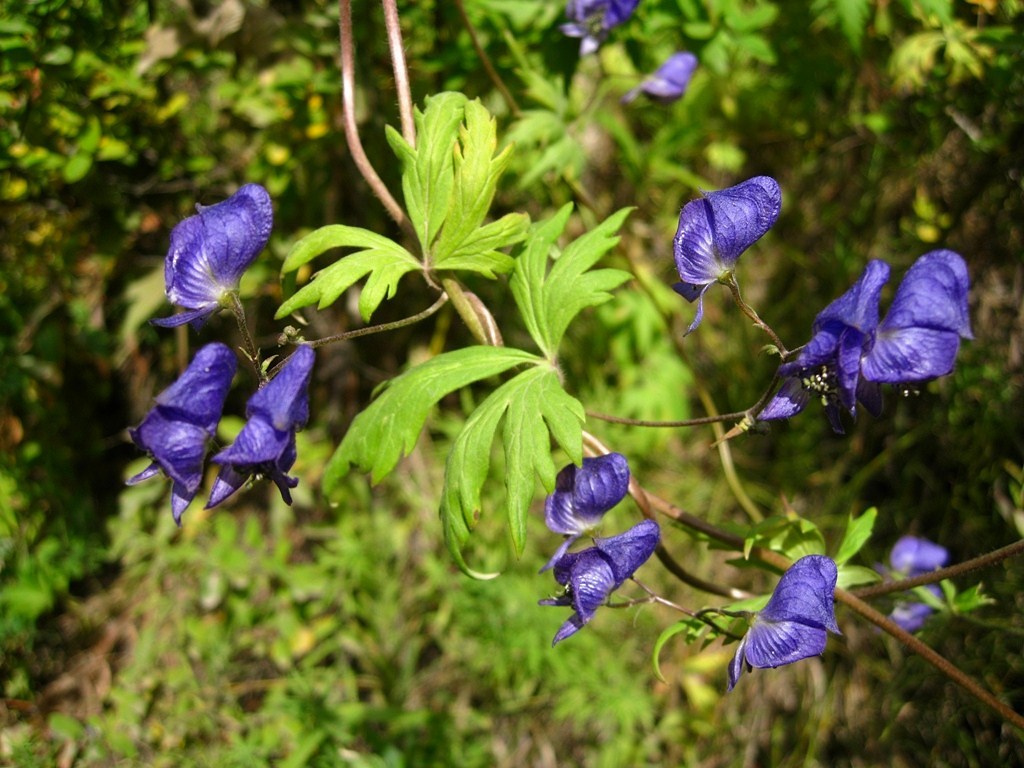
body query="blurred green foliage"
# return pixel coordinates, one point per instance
(342, 636)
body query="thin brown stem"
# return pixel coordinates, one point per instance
(251, 350)
(748, 310)
(492, 73)
(382, 327)
(394, 30)
(951, 572)
(348, 102)
(682, 423)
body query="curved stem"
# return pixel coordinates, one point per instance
(394, 30)
(251, 350)
(748, 310)
(474, 314)
(348, 101)
(492, 73)
(682, 423)
(974, 564)
(381, 327)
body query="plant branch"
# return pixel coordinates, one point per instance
(682, 423)
(381, 327)
(251, 350)
(492, 73)
(394, 30)
(348, 101)
(748, 310)
(951, 572)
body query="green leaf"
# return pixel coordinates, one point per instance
(384, 260)
(548, 300)
(389, 427)
(535, 409)
(858, 531)
(427, 178)
(694, 629)
(968, 600)
(855, 575)
(788, 535)
(851, 16)
(476, 174)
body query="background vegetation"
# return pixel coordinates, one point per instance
(320, 635)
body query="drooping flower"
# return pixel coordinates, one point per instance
(591, 575)
(913, 556)
(920, 336)
(210, 251)
(266, 445)
(796, 621)
(582, 496)
(591, 20)
(851, 354)
(829, 366)
(669, 82)
(176, 432)
(716, 229)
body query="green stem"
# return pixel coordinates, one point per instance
(251, 350)
(474, 314)
(748, 310)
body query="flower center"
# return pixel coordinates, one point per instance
(822, 382)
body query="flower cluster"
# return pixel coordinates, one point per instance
(795, 623)
(208, 254)
(851, 354)
(716, 229)
(669, 82)
(912, 556)
(592, 20)
(582, 496)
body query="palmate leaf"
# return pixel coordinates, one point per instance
(389, 427)
(549, 299)
(534, 409)
(384, 260)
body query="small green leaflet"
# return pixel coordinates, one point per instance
(858, 531)
(788, 535)
(535, 409)
(384, 260)
(389, 428)
(548, 300)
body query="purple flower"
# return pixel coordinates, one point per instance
(795, 622)
(591, 575)
(716, 229)
(829, 366)
(176, 432)
(593, 19)
(669, 82)
(920, 336)
(582, 496)
(851, 354)
(912, 556)
(210, 251)
(266, 445)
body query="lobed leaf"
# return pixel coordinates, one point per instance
(858, 531)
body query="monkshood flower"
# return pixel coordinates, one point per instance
(851, 354)
(591, 575)
(210, 251)
(829, 366)
(714, 230)
(920, 336)
(591, 20)
(176, 432)
(266, 445)
(795, 622)
(912, 556)
(581, 497)
(669, 82)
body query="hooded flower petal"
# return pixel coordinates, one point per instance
(795, 622)
(178, 428)
(670, 81)
(912, 556)
(911, 616)
(920, 336)
(591, 575)
(584, 494)
(716, 229)
(210, 251)
(266, 445)
(591, 20)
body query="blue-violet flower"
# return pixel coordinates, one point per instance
(210, 251)
(175, 433)
(591, 575)
(714, 230)
(670, 81)
(591, 20)
(581, 497)
(266, 445)
(912, 556)
(795, 622)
